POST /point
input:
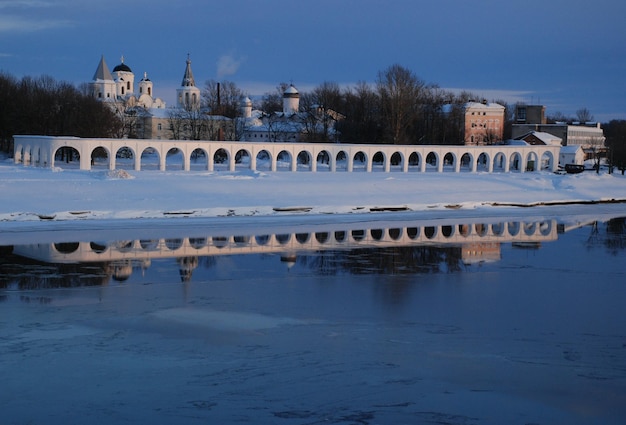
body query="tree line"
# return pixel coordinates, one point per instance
(44, 106)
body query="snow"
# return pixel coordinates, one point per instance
(36, 194)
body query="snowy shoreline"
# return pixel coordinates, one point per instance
(30, 194)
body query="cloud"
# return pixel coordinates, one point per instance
(10, 23)
(14, 4)
(228, 65)
(509, 96)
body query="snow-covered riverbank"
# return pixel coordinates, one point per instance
(35, 194)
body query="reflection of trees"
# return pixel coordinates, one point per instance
(616, 235)
(31, 274)
(391, 260)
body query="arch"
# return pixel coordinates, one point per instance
(499, 162)
(199, 159)
(100, 158)
(323, 161)
(125, 158)
(449, 162)
(430, 232)
(545, 228)
(432, 161)
(173, 243)
(341, 161)
(221, 159)
(532, 162)
(242, 159)
(359, 162)
(547, 161)
(263, 160)
(395, 233)
(262, 239)
(219, 241)
(482, 162)
(414, 162)
(447, 231)
(464, 230)
(98, 247)
(321, 237)
(413, 232)
(64, 157)
(123, 246)
(497, 229)
(481, 229)
(284, 161)
(149, 244)
(377, 234)
(150, 159)
(174, 159)
(241, 240)
(340, 236)
(396, 161)
(66, 247)
(515, 162)
(530, 228)
(358, 235)
(283, 239)
(304, 160)
(303, 238)
(197, 243)
(379, 161)
(513, 228)
(466, 162)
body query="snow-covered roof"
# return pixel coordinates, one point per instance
(570, 149)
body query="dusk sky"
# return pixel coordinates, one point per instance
(565, 54)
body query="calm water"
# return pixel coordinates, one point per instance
(489, 321)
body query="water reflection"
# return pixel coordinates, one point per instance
(363, 248)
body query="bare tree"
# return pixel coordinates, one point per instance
(583, 115)
(222, 98)
(399, 91)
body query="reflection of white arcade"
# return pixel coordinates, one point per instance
(259, 156)
(292, 243)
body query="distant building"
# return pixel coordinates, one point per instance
(540, 138)
(483, 123)
(530, 114)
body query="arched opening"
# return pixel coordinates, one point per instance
(100, 158)
(263, 161)
(358, 235)
(241, 240)
(481, 229)
(173, 244)
(304, 160)
(262, 239)
(341, 161)
(431, 161)
(430, 232)
(66, 247)
(283, 161)
(515, 162)
(547, 161)
(174, 160)
(378, 161)
(513, 228)
(219, 241)
(413, 232)
(497, 229)
(283, 239)
(414, 162)
(149, 244)
(323, 161)
(377, 234)
(199, 160)
(125, 159)
(449, 162)
(465, 230)
(64, 157)
(123, 246)
(396, 162)
(197, 243)
(242, 159)
(532, 162)
(530, 228)
(321, 237)
(466, 162)
(98, 247)
(221, 160)
(545, 228)
(340, 236)
(482, 163)
(359, 161)
(303, 238)
(447, 231)
(499, 162)
(150, 159)
(395, 233)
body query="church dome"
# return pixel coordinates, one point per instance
(122, 67)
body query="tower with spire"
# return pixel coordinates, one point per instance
(103, 86)
(188, 95)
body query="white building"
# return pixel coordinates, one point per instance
(118, 87)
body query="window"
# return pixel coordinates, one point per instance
(140, 90)
(160, 127)
(128, 85)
